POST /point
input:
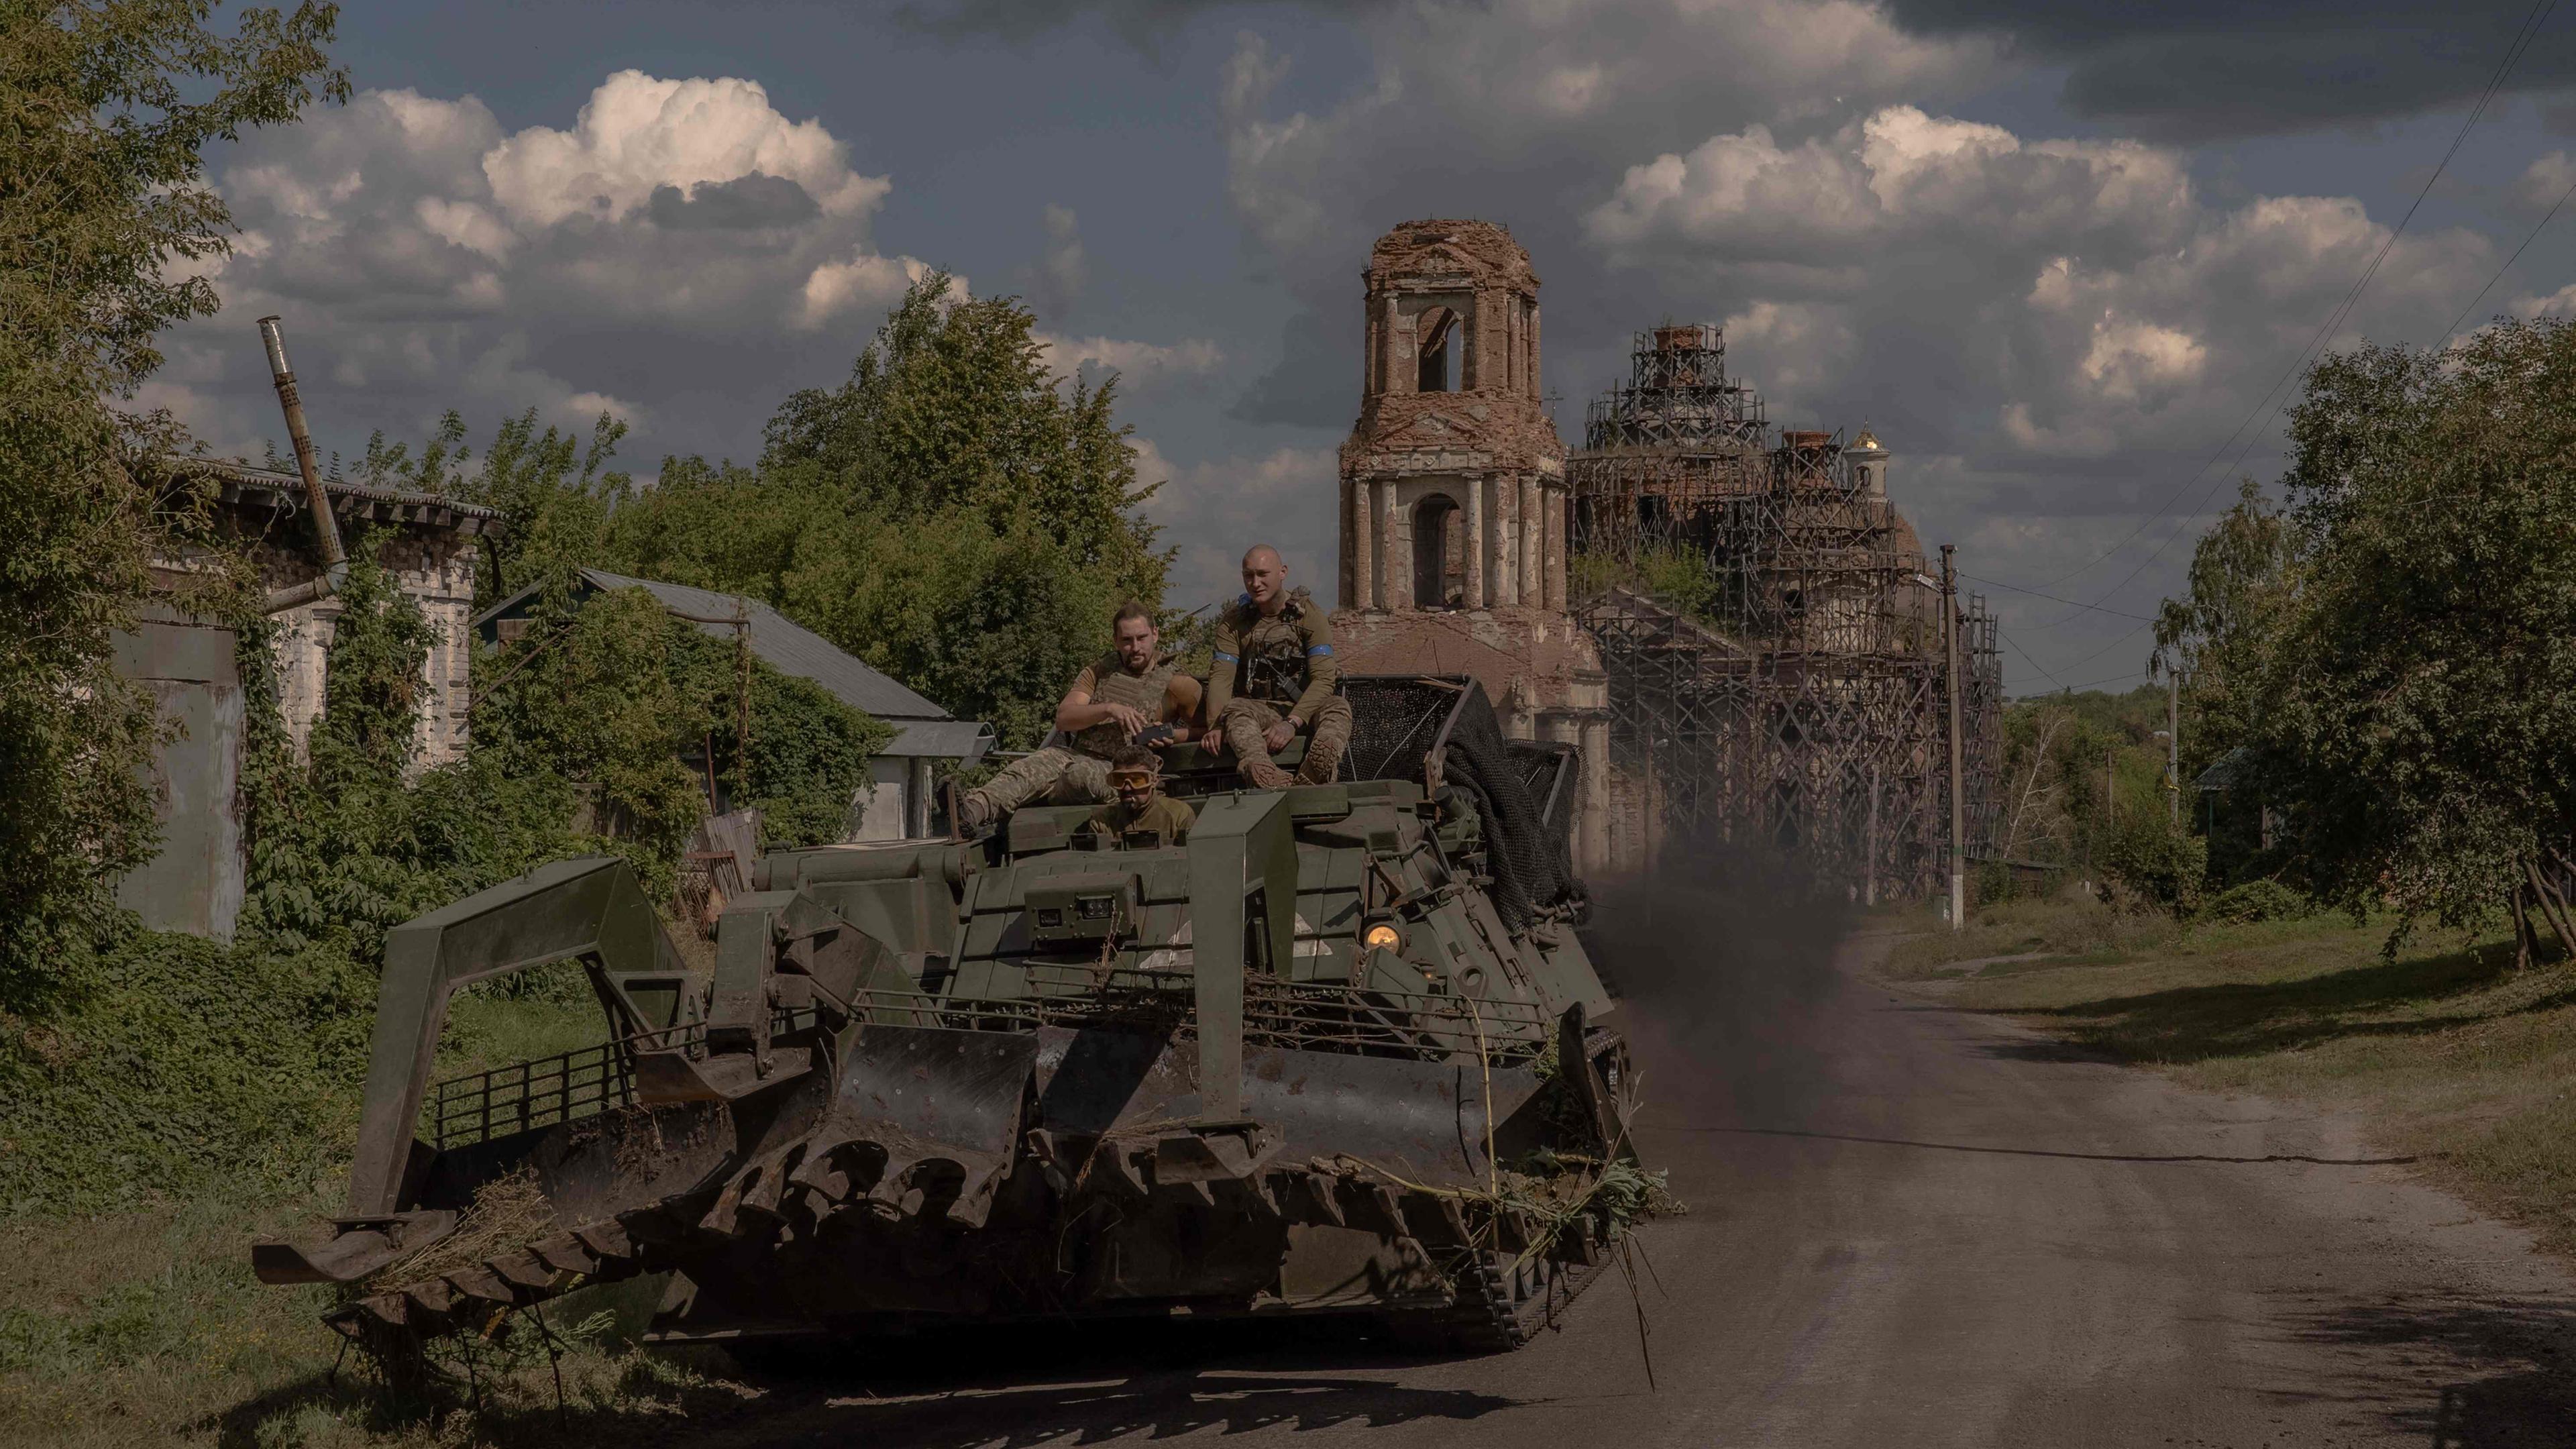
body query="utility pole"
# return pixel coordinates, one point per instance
(2173, 746)
(1958, 802)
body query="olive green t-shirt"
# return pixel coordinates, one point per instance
(1164, 817)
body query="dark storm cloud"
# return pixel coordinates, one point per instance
(2192, 70)
(2200, 69)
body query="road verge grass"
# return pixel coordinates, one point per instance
(141, 1323)
(2445, 1052)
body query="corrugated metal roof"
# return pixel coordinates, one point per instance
(940, 739)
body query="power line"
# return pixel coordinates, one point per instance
(2454, 329)
(2523, 36)
(2026, 659)
(2108, 679)
(2056, 599)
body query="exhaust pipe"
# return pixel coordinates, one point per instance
(326, 528)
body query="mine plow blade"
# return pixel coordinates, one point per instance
(925, 1120)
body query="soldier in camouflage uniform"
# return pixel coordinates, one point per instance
(1129, 691)
(1274, 679)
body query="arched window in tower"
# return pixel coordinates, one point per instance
(1439, 554)
(1436, 332)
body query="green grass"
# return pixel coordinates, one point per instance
(2057, 930)
(145, 1326)
(2445, 1052)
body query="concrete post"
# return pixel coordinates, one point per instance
(2173, 745)
(1958, 801)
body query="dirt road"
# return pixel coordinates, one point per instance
(1910, 1226)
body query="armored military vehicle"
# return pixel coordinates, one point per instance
(1335, 1053)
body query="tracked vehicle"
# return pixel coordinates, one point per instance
(1334, 1054)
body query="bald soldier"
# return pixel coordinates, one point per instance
(1273, 679)
(1125, 692)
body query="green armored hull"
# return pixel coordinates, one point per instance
(1336, 1052)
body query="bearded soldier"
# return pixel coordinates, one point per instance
(1274, 679)
(1126, 693)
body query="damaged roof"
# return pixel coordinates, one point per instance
(242, 486)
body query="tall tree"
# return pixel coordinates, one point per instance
(107, 230)
(2218, 637)
(951, 513)
(2417, 711)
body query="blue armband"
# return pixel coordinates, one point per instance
(1227, 659)
(1319, 649)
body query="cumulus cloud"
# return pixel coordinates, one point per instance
(679, 256)
(2545, 183)
(1147, 362)
(1062, 269)
(638, 135)
(1212, 510)
(1513, 110)
(2083, 288)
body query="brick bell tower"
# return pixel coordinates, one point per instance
(1453, 498)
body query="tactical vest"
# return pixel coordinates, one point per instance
(1112, 684)
(1274, 650)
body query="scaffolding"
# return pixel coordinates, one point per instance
(1773, 645)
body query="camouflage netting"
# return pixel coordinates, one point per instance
(1394, 724)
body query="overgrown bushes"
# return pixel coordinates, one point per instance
(2155, 862)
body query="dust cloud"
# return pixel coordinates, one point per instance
(1724, 963)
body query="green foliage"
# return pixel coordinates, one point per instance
(610, 692)
(107, 227)
(1678, 578)
(556, 492)
(2219, 635)
(2412, 699)
(808, 760)
(2155, 862)
(2258, 900)
(949, 514)
(353, 840)
(991, 622)
(167, 1060)
(2060, 806)
(1992, 884)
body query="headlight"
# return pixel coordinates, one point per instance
(1382, 937)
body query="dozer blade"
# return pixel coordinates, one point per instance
(923, 1119)
(1420, 1121)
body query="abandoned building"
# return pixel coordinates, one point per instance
(897, 802)
(1453, 499)
(427, 545)
(1794, 695)
(1799, 699)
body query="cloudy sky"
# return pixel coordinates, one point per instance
(2056, 255)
